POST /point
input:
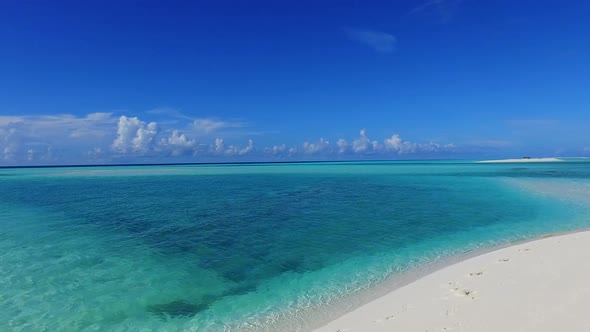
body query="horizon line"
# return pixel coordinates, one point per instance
(232, 163)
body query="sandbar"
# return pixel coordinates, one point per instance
(522, 160)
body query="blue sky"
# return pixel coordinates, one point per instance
(154, 81)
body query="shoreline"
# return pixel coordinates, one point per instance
(312, 319)
(410, 286)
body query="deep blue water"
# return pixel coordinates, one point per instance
(252, 247)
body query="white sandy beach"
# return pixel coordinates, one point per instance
(522, 160)
(543, 285)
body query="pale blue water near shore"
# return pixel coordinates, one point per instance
(252, 247)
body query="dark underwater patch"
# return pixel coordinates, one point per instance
(177, 309)
(292, 265)
(241, 289)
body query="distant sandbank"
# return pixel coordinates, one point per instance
(540, 285)
(521, 160)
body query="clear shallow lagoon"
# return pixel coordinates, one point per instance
(257, 246)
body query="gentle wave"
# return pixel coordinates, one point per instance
(254, 247)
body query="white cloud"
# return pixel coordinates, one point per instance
(9, 120)
(219, 148)
(435, 147)
(207, 126)
(30, 138)
(134, 136)
(396, 144)
(219, 145)
(342, 145)
(249, 148)
(104, 138)
(7, 143)
(277, 149)
(361, 144)
(318, 147)
(201, 127)
(50, 126)
(143, 141)
(100, 116)
(376, 146)
(236, 150)
(8, 153)
(178, 144)
(379, 41)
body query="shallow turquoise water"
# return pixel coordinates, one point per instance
(252, 247)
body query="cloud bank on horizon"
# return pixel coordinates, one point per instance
(109, 138)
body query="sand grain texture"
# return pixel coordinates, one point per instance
(543, 285)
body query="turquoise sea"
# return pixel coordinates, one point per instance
(254, 247)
